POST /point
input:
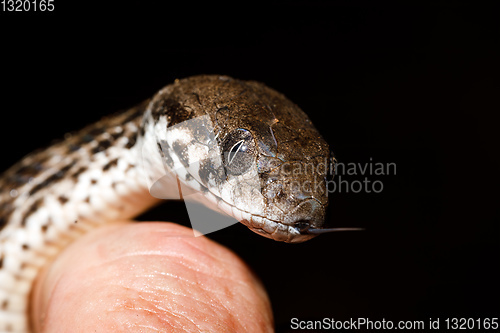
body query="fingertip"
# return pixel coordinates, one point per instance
(155, 275)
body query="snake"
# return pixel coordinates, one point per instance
(244, 148)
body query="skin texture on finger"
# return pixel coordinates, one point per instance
(148, 277)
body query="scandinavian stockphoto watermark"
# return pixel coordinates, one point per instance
(341, 177)
(344, 172)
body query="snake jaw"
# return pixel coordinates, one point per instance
(275, 230)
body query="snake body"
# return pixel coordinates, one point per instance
(240, 152)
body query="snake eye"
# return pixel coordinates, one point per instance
(238, 151)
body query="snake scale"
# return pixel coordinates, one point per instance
(246, 151)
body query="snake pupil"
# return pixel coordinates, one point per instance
(234, 151)
(238, 152)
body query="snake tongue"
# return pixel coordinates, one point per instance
(311, 216)
(326, 230)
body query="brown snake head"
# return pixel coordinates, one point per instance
(249, 149)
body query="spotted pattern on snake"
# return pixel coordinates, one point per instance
(241, 151)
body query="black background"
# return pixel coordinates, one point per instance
(414, 84)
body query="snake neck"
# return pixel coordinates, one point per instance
(96, 165)
(53, 196)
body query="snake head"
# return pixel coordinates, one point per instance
(251, 151)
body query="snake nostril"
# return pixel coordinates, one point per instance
(308, 214)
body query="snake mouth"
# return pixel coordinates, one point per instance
(295, 230)
(299, 232)
(276, 230)
(269, 228)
